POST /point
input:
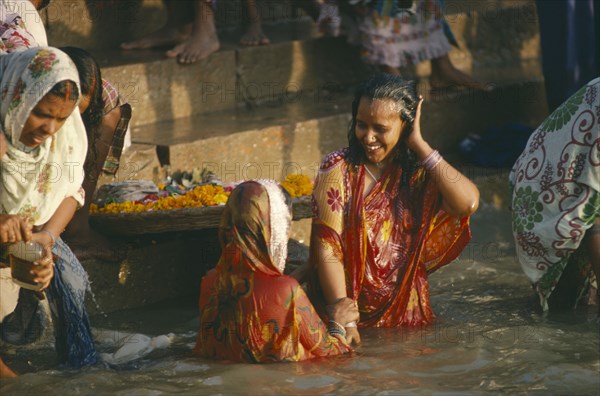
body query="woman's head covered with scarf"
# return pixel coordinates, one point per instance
(47, 144)
(256, 223)
(403, 96)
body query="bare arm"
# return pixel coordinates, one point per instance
(460, 196)
(57, 223)
(333, 283)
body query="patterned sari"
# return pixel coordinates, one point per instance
(397, 38)
(388, 241)
(250, 311)
(556, 197)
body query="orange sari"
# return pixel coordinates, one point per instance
(388, 241)
(250, 311)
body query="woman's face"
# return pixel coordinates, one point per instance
(46, 118)
(378, 128)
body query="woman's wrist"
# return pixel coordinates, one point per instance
(46, 237)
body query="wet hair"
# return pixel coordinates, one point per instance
(403, 94)
(91, 82)
(66, 89)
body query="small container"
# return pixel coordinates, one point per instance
(22, 255)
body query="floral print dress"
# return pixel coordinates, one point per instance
(556, 194)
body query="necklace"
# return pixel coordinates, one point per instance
(369, 172)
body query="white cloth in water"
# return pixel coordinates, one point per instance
(131, 346)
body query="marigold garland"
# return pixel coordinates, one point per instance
(297, 185)
(206, 195)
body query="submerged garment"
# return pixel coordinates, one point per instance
(249, 310)
(388, 241)
(66, 294)
(73, 339)
(396, 39)
(555, 187)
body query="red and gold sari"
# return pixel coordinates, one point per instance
(388, 240)
(249, 310)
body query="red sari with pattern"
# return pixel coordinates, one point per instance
(388, 241)
(250, 311)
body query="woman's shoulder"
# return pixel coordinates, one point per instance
(334, 159)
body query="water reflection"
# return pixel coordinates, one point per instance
(489, 336)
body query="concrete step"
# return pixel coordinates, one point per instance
(282, 137)
(497, 41)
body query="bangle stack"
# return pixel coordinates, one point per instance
(335, 328)
(432, 160)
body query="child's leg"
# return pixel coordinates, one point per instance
(175, 30)
(203, 41)
(254, 34)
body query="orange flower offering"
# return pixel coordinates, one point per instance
(206, 195)
(297, 185)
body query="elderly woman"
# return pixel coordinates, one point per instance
(249, 310)
(388, 210)
(42, 174)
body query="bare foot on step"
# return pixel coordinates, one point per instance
(254, 36)
(445, 75)
(195, 48)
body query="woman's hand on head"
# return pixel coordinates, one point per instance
(415, 140)
(14, 228)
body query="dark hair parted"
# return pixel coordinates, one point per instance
(91, 84)
(403, 93)
(65, 89)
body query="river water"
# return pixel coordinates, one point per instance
(489, 336)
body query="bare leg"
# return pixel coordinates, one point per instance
(175, 30)
(5, 371)
(203, 40)
(254, 34)
(311, 7)
(444, 74)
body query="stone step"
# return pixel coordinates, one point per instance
(280, 138)
(497, 41)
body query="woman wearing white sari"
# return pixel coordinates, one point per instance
(42, 174)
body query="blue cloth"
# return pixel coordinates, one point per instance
(569, 38)
(74, 343)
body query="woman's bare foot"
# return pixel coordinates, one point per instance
(197, 47)
(168, 35)
(445, 75)
(254, 36)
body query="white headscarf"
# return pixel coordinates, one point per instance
(280, 221)
(35, 183)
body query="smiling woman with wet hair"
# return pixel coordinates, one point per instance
(385, 211)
